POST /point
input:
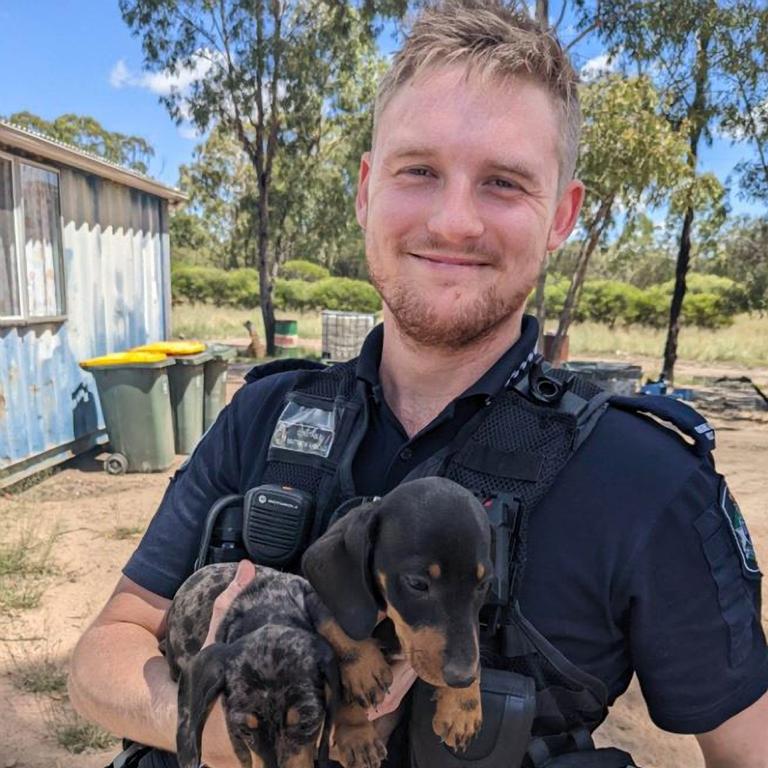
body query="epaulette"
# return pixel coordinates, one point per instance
(282, 366)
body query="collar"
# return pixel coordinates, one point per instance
(499, 376)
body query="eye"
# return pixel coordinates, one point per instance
(416, 583)
(505, 184)
(418, 171)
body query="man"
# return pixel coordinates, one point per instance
(630, 564)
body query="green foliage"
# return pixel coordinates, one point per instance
(607, 301)
(89, 134)
(343, 293)
(195, 284)
(300, 269)
(293, 295)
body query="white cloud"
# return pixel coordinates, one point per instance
(163, 82)
(598, 66)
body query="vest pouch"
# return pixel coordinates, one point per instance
(509, 704)
(595, 758)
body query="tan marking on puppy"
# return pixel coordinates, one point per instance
(435, 571)
(292, 716)
(304, 758)
(458, 715)
(365, 674)
(251, 721)
(256, 761)
(480, 571)
(357, 743)
(423, 647)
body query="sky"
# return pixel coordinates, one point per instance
(59, 56)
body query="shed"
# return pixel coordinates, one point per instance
(84, 271)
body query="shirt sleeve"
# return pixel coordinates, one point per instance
(166, 554)
(695, 633)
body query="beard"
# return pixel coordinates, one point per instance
(469, 322)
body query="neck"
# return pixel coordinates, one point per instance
(419, 381)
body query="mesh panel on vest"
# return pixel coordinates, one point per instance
(296, 475)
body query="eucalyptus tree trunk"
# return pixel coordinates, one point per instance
(697, 113)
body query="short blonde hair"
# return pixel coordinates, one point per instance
(496, 41)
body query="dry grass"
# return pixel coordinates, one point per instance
(203, 321)
(745, 342)
(25, 565)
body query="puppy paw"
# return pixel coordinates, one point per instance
(458, 715)
(365, 675)
(358, 746)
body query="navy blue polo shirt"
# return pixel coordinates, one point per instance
(631, 564)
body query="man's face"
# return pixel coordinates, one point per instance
(459, 203)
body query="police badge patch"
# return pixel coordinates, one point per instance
(739, 530)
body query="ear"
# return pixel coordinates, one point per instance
(199, 685)
(566, 214)
(361, 199)
(338, 566)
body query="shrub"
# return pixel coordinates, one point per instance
(345, 294)
(607, 301)
(293, 295)
(300, 269)
(237, 287)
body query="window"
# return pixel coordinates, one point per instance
(31, 285)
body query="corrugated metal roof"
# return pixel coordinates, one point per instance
(43, 146)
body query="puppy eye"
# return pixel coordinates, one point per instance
(416, 583)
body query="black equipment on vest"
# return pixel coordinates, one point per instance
(509, 705)
(276, 524)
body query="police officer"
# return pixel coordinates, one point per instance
(637, 560)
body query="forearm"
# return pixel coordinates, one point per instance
(119, 679)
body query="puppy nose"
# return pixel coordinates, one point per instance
(458, 677)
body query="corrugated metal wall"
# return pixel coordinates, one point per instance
(116, 281)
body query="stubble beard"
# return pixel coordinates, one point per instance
(470, 324)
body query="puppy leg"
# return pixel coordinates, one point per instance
(458, 715)
(357, 742)
(365, 674)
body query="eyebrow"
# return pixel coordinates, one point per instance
(513, 167)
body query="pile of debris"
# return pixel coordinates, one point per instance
(729, 393)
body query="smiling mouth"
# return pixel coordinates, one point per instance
(447, 261)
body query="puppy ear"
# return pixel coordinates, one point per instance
(338, 565)
(199, 685)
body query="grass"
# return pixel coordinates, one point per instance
(123, 532)
(25, 564)
(38, 669)
(204, 322)
(744, 343)
(72, 732)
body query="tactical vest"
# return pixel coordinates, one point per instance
(512, 449)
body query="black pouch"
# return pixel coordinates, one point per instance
(509, 704)
(595, 758)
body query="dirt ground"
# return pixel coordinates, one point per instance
(95, 521)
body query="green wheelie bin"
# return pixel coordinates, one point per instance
(187, 378)
(134, 395)
(215, 382)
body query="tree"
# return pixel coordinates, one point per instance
(272, 74)
(88, 133)
(629, 155)
(689, 48)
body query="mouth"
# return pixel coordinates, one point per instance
(447, 261)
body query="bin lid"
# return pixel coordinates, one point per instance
(174, 348)
(198, 359)
(125, 359)
(222, 351)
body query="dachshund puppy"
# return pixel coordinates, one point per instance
(421, 556)
(278, 678)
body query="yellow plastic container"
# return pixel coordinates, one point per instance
(173, 348)
(134, 357)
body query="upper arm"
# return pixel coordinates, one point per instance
(741, 741)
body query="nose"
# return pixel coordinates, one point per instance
(454, 216)
(457, 676)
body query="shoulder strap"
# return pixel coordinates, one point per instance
(682, 416)
(281, 366)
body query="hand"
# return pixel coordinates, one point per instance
(403, 677)
(245, 574)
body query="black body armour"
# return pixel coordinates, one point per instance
(539, 709)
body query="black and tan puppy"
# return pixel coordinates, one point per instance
(277, 676)
(421, 556)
